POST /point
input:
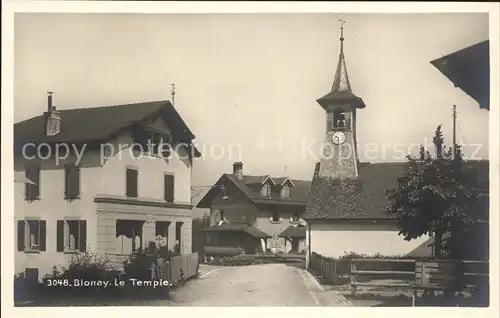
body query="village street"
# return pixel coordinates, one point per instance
(256, 285)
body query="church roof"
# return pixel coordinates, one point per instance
(364, 198)
(341, 89)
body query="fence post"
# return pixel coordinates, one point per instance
(353, 277)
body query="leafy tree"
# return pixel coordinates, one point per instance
(435, 194)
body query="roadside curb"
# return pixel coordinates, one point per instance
(325, 297)
(313, 281)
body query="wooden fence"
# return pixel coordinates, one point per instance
(364, 271)
(177, 270)
(442, 275)
(329, 269)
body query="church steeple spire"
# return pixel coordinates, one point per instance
(341, 80)
(341, 93)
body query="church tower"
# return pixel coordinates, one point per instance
(340, 154)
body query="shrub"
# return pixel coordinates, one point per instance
(89, 266)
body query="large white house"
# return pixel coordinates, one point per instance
(114, 192)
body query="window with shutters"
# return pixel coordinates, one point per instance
(131, 183)
(71, 236)
(72, 182)
(169, 185)
(31, 235)
(32, 191)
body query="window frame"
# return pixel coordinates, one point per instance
(67, 236)
(287, 192)
(28, 187)
(28, 247)
(266, 190)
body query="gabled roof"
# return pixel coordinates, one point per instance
(298, 193)
(365, 197)
(99, 124)
(294, 231)
(469, 69)
(282, 180)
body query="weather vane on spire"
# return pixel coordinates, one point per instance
(172, 92)
(341, 29)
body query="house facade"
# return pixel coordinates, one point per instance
(113, 192)
(254, 212)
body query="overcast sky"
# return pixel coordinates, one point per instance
(249, 82)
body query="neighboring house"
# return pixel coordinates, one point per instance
(469, 69)
(105, 197)
(346, 209)
(256, 213)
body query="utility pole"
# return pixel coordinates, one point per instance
(454, 130)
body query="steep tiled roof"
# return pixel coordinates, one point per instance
(298, 193)
(99, 123)
(365, 197)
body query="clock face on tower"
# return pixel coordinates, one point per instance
(338, 138)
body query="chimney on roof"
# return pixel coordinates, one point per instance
(52, 118)
(238, 170)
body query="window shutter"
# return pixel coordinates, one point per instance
(35, 177)
(82, 235)
(60, 236)
(27, 186)
(131, 180)
(20, 235)
(43, 236)
(74, 185)
(66, 182)
(169, 181)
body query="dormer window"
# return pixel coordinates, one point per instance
(266, 190)
(285, 191)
